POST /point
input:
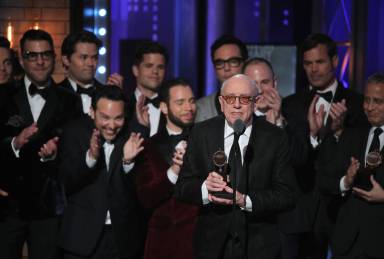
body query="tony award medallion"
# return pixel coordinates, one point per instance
(220, 161)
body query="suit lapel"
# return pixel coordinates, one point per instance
(49, 108)
(23, 106)
(216, 140)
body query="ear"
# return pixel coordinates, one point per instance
(92, 113)
(21, 60)
(65, 61)
(335, 61)
(275, 82)
(164, 108)
(135, 70)
(221, 101)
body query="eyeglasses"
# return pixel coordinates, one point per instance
(45, 55)
(232, 62)
(373, 101)
(231, 99)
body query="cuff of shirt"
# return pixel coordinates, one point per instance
(204, 193)
(314, 141)
(91, 162)
(172, 177)
(46, 159)
(343, 188)
(128, 167)
(15, 151)
(248, 204)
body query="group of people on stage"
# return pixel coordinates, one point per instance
(90, 173)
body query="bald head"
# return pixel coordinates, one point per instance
(240, 79)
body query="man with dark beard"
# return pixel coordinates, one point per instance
(171, 225)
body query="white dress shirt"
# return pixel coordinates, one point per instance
(154, 114)
(86, 100)
(228, 141)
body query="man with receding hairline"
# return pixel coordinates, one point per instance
(246, 229)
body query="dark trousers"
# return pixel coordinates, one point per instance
(105, 249)
(40, 236)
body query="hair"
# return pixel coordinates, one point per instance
(110, 92)
(36, 35)
(257, 60)
(166, 87)
(4, 43)
(229, 39)
(318, 38)
(149, 47)
(69, 43)
(242, 76)
(376, 78)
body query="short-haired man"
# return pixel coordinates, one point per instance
(228, 55)
(32, 119)
(353, 177)
(149, 68)
(268, 103)
(259, 152)
(102, 218)
(6, 61)
(171, 226)
(319, 108)
(80, 54)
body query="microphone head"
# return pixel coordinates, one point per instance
(239, 127)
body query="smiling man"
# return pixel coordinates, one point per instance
(102, 219)
(264, 185)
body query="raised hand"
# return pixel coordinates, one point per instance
(115, 79)
(376, 194)
(3, 193)
(142, 111)
(94, 145)
(49, 149)
(132, 147)
(351, 172)
(315, 119)
(338, 112)
(25, 135)
(178, 155)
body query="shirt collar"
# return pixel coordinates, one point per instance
(74, 84)
(172, 132)
(331, 88)
(138, 93)
(371, 131)
(228, 130)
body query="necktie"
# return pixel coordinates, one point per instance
(33, 90)
(155, 101)
(88, 91)
(375, 145)
(235, 160)
(326, 96)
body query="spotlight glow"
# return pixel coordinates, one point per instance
(102, 31)
(102, 12)
(101, 70)
(102, 51)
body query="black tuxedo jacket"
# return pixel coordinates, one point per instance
(66, 84)
(91, 192)
(266, 178)
(358, 222)
(26, 177)
(303, 156)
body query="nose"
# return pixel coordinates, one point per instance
(227, 67)
(237, 103)
(2, 66)
(40, 59)
(90, 62)
(314, 67)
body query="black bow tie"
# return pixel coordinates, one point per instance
(88, 91)
(155, 102)
(326, 96)
(175, 139)
(33, 90)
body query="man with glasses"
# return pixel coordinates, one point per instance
(228, 54)
(259, 151)
(31, 122)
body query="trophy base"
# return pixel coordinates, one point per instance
(222, 195)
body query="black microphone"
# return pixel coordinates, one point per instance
(239, 127)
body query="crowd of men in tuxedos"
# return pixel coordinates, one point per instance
(89, 172)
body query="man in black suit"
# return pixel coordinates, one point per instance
(172, 223)
(149, 68)
(102, 218)
(31, 120)
(354, 178)
(247, 229)
(310, 114)
(80, 54)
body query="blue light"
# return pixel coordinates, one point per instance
(285, 22)
(154, 37)
(102, 31)
(102, 12)
(145, 8)
(286, 12)
(101, 70)
(88, 12)
(102, 51)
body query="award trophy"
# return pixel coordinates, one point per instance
(373, 161)
(220, 161)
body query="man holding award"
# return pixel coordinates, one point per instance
(237, 153)
(352, 173)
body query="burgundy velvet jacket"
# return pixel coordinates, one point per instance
(172, 223)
